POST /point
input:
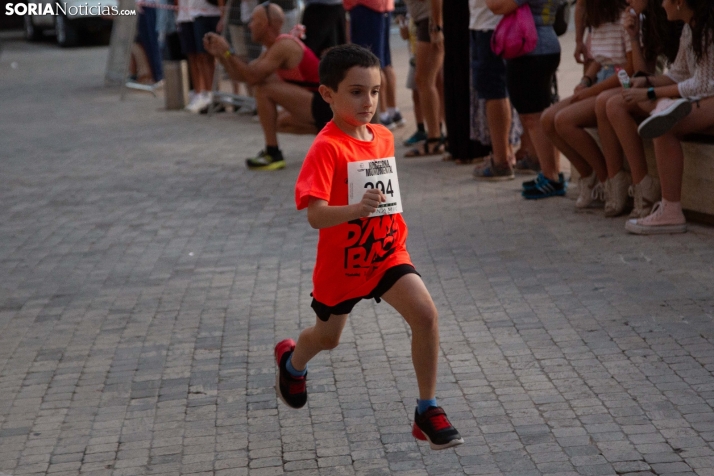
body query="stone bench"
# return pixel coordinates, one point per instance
(698, 179)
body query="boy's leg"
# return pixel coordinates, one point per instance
(292, 358)
(411, 299)
(313, 340)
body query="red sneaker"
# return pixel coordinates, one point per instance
(291, 390)
(433, 426)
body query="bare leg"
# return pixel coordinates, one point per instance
(418, 116)
(620, 115)
(313, 340)
(547, 121)
(411, 299)
(207, 65)
(611, 148)
(668, 148)
(294, 99)
(498, 115)
(428, 64)
(390, 86)
(543, 145)
(570, 124)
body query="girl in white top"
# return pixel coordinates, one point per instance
(565, 122)
(690, 82)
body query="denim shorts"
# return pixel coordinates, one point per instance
(487, 69)
(605, 72)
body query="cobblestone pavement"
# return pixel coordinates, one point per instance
(145, 276)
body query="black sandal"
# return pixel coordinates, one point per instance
(425, 150)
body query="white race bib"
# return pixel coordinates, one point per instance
(375, 173)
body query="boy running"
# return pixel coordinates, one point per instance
(361, 253)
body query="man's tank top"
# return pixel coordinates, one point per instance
(304, 74)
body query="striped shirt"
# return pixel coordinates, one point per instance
(609, 44)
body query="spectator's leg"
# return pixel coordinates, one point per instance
(547, 120)
(611, 149)
(668, 148)
(570, 125)
(295, 100)
(543, 146)
(620, 114)
(498, 115)
(428, 64)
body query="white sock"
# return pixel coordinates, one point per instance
(392, 111)
(385, 116)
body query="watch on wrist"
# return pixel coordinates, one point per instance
(228, 53)
(651, 94)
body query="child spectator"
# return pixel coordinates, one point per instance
(652, 38)
(690, 79)
(361, 252)
(565, 122)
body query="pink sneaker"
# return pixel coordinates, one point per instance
(666, 217)
(667, 113)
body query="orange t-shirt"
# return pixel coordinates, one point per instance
(351, 257)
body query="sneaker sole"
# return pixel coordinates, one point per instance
(654, 230)
(526, 172)
(504, 178)
(655, 126)
(274, 166)
(538, 197)
(420, 435)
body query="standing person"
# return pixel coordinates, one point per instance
(489, 80)
(530, 78)
(325, 25)
(429, 55)
(668, 98)
(457, 84)
(370, 21)
(360, 254)
(204, 19)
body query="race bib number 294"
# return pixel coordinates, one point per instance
(376, 173)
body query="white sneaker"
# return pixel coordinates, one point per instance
(646, 194)
(666, 217)
(589, 191)
(200, 101)
(667, 113)
(616, 198)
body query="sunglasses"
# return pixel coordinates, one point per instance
(266, 7)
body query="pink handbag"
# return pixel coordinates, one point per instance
(515, 35)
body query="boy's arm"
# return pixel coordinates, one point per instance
(321, 215)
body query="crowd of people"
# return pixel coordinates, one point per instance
(648, 72)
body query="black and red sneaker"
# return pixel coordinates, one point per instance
(291, 390)
(433, 426)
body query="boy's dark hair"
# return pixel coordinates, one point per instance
(338, 60)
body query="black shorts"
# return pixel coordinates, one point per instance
(186, 38)
(422, 30)
(324, 27)
(321, 111)
(201, 26)
(488, 70)
(392, 275)
(530, 79)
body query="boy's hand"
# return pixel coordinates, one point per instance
(370, 201)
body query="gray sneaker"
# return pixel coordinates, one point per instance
(489, 171)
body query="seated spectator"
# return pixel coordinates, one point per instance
(690, 79)
(285, 74)
(609, 48)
